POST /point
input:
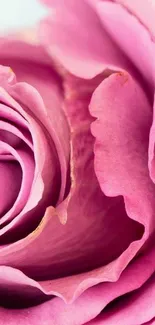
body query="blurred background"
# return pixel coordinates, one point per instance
(15, 14)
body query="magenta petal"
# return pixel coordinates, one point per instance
(85, 308)
(138, 308)
(122, 138)
(7, 113)
(143, 10)
(46, 253)
(13, 135)
(121, 148)
(38, 315)
(45, 187)
(152, 322)
(50, 113)
(6, 76)
(152, 147)
(58, 247)
(10, 176)
(45, 158)
(14, 48)
(119, 23)
(39, 73)
(93, 50)
(26, 161)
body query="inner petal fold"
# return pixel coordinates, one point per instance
(10, 182)
(25, 158)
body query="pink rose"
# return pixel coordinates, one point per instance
(77, 134)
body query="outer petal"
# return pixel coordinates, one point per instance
(152, 322)
(93, 50)
(122, 138)
(122, 144)
(131, 36)
(84, 309)
(137, 308)
(144, 10)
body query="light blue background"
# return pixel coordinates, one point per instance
(16, 14)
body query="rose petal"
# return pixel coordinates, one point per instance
(14, 117)
(18, 46)
(119, 23)
(143, 10)
(113, 104)
(26, 162)
(137, 308)
(121, 163)
(43, 161)
(152, 148)
(86, 212)
(53, 119)
(13, 136)
(85, 308)
(93, 51)
(37, 71)
(10, 176)
(152, 322)
(6, 76)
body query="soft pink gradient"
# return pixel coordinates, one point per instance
(77, 161)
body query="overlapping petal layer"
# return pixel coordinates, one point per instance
(77, 243)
